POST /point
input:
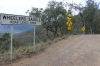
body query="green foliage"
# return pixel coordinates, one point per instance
(88, 16)
(36, 12)
(54, 18)
(5, 43)
(77, 24)
(89, 13)
(97, 22)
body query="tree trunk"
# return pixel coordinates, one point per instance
(47, 33)
(61, 32)
(91, 31)
(56, 32)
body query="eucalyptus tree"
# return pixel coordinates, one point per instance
(54, 17)
(89, 13)
(96, 23)
(36, 12)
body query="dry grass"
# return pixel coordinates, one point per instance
(25, 51)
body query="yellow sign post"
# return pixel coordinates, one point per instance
(69, 28)
(83, 29)
(69, 23)
(69, 16)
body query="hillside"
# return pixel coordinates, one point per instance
(27, 37)
(1, 34)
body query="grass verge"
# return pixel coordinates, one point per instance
(26, 51)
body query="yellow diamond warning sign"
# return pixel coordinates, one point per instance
(83, 28)
(69, 23)
(69, 16)
(69, 28)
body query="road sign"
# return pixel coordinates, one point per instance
(69, 16)
(83, 29)
(69, 19)
(69, 23)
(19, 20)
(69, 28)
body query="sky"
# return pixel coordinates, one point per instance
(19, 7)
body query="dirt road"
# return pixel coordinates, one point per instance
(78, 50)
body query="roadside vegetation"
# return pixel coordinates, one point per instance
(24, 50)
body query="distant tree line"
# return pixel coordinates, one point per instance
(54, 17)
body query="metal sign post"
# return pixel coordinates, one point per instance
(11, 41)
(83, 29)
(34, 38)
(83, 32)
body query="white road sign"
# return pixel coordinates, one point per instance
(19, 20)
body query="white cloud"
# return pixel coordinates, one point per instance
(21, 6)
